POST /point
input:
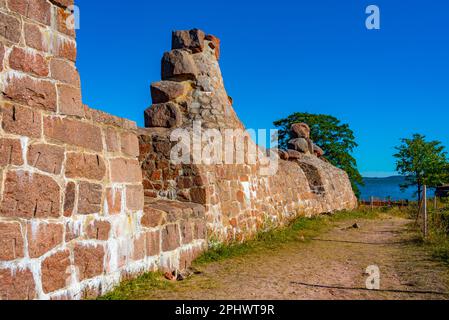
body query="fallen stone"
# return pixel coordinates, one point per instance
(294, 155)
(299, 144)
(283, 154)
(169, 276)
(301, 130)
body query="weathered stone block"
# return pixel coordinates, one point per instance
(198, 195)
(66, 49)
(69, 100)
(11, 241)
(153, 218)
(166, 91)
(125, 171)
(73, 132)
(101, 117)
(69, 199)
(17, 285)
(134, 198)
(173, 209)
(186, 232)
(188, 39)
(129, 144)
(46, 157)
(112, 140)
(32, 92)
(38, 10)
(30, 62)
(299, 144)
(178, 65)
(294, 155)
(56, 272)
(73, 230)
(10, 152)
(43, 237)
(83, 165)
(139, 247)
(166, 115)
(98, 230)
(170, 237)
(114, 200)
(282, 154)
(200, 230)
(21, 120)
(89, 260)
(153, 243)
(30, 195)
(301, 130)
(34, 37)
(89, 201)
(11, 27)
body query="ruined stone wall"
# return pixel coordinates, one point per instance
(72, 222)
(88, 199)
(239, 200)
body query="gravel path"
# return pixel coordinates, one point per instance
(331, 266)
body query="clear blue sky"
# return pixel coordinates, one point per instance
(279, 57)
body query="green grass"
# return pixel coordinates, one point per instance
(438, 239)
(139, 287)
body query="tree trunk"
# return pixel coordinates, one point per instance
(419, 193)
(419, 204)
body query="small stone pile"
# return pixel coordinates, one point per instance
(300, 144)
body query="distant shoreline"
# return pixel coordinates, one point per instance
(387, 188)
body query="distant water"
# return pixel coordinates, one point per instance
(383, 188)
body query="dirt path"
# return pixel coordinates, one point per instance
(325, 268)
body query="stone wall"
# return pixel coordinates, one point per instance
(72, 222)
(88, 199)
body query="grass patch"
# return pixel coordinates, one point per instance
(139, 287)
(438, 240)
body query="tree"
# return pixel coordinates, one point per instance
(327, 132)
(422, 163)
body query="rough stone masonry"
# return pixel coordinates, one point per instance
(88, 199)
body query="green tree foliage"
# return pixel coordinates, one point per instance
(422, 163)
(335, 138)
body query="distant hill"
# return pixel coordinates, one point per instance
(392, 179)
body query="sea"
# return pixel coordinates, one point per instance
(388, 188)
